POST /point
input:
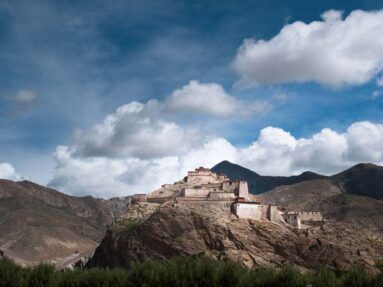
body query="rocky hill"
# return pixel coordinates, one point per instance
(325, 196)
(259, 183)
(362, 179)
(165, 231)
(39, 223)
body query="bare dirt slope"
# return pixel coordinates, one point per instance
(325, 196)
(42, 224)
(168, 231)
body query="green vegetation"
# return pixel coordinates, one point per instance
(182, 272)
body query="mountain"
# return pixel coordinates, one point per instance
(353, 195)
(39, 223)
(258, 183)
(325, 196)
(362, 179)
(161, 232)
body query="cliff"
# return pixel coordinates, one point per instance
(166, 231)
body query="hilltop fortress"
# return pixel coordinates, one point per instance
(202, 186)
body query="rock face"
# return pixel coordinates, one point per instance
(187, 229)
(42, 224)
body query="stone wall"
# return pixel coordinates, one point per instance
(231, 186)
(310, 216)
(159, 199)
(195, 192)
(248, 210)
(136, 198)
(221, 195)
(243, 189)
(293, 220)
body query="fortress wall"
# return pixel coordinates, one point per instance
(225, 205)
(200, 179)
(217, 186)
(159, 199)
(293, 220)
(310, 216)
(230, 186)
(138, 198)
(221, 195)
(274, 215)
(264, 208)
(248, 210)
(243, 189)
(200, 192)
(222, 177)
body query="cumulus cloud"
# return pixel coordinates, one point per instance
(135, 130)
(209, 99)
(334, 52)
(106, 177)
(7, 171)
(141, 130)
(99, 164)
(277, 152)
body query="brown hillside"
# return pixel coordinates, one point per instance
(39, 223)
(168, 231)
(325, 196)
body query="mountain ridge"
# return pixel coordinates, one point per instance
(364, 179)
(260, 183)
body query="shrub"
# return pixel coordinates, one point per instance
(191, 271)
(42, 275)
(11, 275)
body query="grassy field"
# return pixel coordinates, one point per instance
(181, 272)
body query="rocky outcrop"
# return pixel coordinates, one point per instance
(187, 229)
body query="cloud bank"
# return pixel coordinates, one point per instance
(7, 171)
(335, 52)
(136, 149)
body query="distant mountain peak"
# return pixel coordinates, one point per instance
(232, 170)
(258, 183)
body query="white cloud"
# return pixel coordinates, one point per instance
(364, 140)
(139, 147)
(277, 152)
(7, 171)
(96, 165)
(107, 177)
(334, 52)
(141, 130)
(208, 99)
(270, 153)
(135, 130)
(379, 82)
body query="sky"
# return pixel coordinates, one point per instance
(111, 98)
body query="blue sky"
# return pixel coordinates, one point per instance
(66, 65)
